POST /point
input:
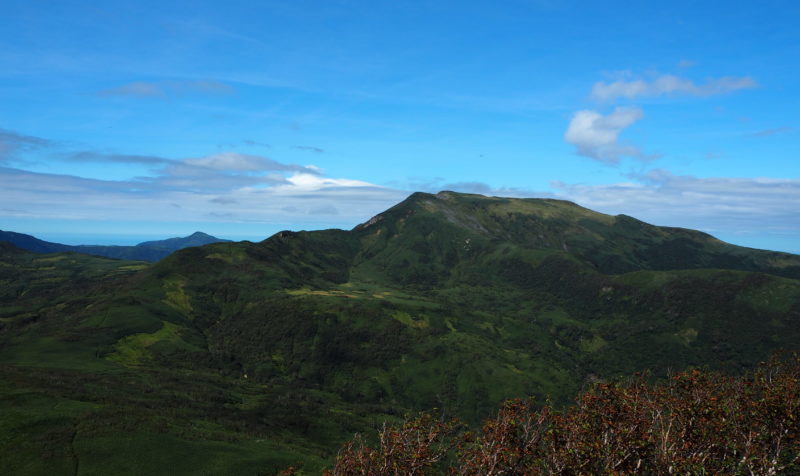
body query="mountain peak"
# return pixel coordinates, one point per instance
(197, 238)
(486, 214)
(447, 222)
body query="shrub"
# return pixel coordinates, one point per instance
(695, 423)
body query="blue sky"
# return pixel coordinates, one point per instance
(121, 121)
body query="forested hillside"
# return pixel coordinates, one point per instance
(248, 357)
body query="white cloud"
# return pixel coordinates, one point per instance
(308, 182)
(225, 187)
(298, 198)
(668, 84)
(597, 136)
(716, 204)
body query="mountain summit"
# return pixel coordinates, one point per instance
(197, 238)
(610, 244)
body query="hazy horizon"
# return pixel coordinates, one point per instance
(775, 243)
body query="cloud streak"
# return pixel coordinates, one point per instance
(232, 161)
(12, 143)
(165, 89)
(668, 84)
(309, 148)
(216, 172)
(773, 131)
(135, 89)
(93, 156)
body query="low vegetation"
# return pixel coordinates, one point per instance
(696, 422)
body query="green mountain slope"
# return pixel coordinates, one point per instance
(263, 354)
(145, 251)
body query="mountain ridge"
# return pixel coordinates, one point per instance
(145, 251)
(613, 244)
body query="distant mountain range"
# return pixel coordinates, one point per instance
(245, 358)
(145, 251)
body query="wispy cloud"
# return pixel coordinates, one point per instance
(668, 84)
(136, 89)
(597, 136)
(298, 198)
(253, 143)
(216, 172)
(94, 156)
(232, 161)
(223, 200)
(710, 204)
(773, 131)
(324, 210)
(223, 187)
(164, 89)
(12, 143)
(309, 148)
(199, 87)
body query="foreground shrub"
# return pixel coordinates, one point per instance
(695, 423)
